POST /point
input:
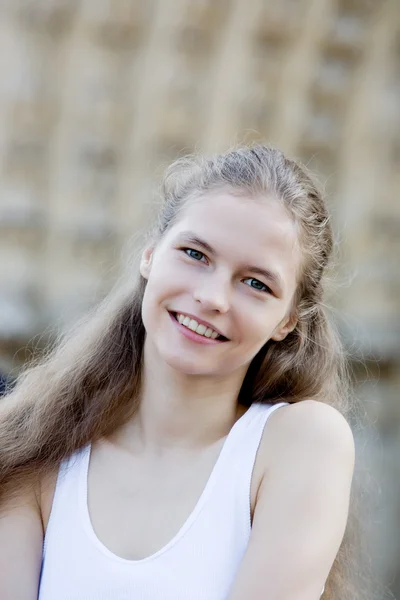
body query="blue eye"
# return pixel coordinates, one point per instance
(261, 287)
(195, 252)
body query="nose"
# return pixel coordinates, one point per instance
(213, 293)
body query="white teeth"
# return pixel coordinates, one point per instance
(193, 325)
(197, 327)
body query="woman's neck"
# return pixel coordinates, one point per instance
(179, 411)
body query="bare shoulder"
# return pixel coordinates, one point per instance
(308, 425)
(312, 417)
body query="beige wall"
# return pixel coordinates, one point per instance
(97, 96)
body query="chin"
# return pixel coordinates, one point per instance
(187, 366)
(185, 363)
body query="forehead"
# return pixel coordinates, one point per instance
(244, 230)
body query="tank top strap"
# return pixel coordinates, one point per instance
(252, 428)
(243, 439)
(238, 470)
(74, 468)
(65, 505)
(237, 457)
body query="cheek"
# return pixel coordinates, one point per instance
(258, 328)
(163, 285)
(168, 279)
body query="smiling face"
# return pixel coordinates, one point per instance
(230, 262)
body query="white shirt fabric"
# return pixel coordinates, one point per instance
(199, 563)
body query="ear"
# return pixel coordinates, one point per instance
(285, 326)
(145, 262)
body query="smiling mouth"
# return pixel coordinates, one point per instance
(219, 337)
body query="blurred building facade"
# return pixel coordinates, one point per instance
(97, 96)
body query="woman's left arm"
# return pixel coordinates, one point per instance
(302, 505)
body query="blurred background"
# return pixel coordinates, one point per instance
(98, 96)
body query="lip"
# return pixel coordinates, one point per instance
(199, 321)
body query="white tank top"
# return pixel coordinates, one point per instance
(201, 560)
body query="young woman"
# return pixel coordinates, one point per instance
(189, 439)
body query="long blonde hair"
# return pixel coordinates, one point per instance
(87, 385)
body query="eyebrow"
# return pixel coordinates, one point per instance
(191, 238)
